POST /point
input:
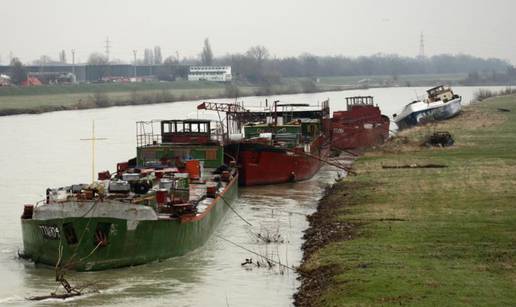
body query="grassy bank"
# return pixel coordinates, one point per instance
(39, 99)
(443, 236)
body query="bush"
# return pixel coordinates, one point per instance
(308, 86)
(231, 91)
(483, 94)
(101, 100)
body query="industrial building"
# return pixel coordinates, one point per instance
(210, 73)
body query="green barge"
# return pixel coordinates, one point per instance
(164, 203)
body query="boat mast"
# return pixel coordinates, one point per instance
(93, 139)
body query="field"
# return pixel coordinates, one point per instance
(73, 95)
(422, 236)
(37, 99)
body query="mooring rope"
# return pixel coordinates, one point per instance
(61, 269)
(233, 209)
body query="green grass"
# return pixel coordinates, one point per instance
(107, 88)
(50, 98)
(432, 237)
(15, 100)
(32, 101)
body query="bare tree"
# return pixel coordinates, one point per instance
(97, 59)
(207, 54)
(17, 71)
(170, 60)
(258, 53)
(44, 60)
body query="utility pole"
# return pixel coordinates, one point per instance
(73, 62)
(108, 46)
(134, 63)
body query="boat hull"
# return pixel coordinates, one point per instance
(361, 134)
(131, 240)
(444, 111)
(261, 164)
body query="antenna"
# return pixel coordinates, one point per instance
(108, 46)
(93, 139)
(422, 46)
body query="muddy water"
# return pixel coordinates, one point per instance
(40, 151)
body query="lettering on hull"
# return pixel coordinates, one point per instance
(50, 232)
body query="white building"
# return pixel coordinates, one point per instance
(210, 73)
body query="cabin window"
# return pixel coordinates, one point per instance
(69, 232)
(166, 127)
(194, 128)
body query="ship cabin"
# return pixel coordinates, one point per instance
(440, 93)
(290, 135)
(359, 101)
(169, 142)
(359, 109)
(186, 131)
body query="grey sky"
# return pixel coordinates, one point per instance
(32, 28)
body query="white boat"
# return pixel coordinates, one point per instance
(440, 104)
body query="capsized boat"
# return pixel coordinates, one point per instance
(440, 104)
(284, 143)
(164, 203)
(361, 125)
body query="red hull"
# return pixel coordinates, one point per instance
(262, 164)
(362, 126)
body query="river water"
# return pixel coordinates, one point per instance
(40, 151)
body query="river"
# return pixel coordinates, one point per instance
(40, 151)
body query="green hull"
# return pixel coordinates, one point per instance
(129, 242)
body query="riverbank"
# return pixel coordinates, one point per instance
(425, 236)
(49, 98)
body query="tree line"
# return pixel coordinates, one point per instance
(256, 65)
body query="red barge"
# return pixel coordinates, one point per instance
(286, 143)
(361, 125)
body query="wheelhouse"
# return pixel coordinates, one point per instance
(186, 131)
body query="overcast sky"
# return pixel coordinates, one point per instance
(31, 28)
